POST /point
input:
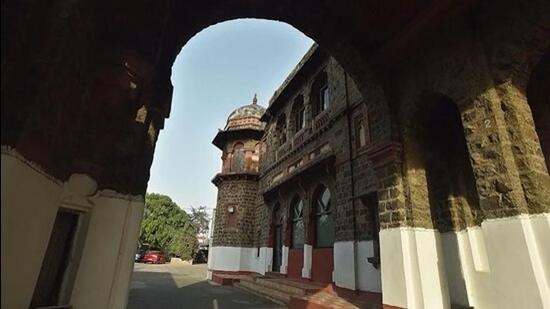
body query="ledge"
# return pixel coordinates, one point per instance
(323, 159)
(219, 178)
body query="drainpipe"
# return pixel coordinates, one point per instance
(350, 144)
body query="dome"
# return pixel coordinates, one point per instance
(246, 116)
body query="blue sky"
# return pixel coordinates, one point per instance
(218, 70)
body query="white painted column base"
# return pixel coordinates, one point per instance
(106, 266)
(308, 254)
(502, 264)
(284, 263)
(223, 258)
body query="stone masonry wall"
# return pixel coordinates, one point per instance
(241, 195)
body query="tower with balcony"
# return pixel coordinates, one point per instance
(237, 182)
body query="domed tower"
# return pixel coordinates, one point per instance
(233, 235)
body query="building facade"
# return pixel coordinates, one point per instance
(86, 90)
(328, 193)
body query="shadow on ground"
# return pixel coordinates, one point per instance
(163, 286)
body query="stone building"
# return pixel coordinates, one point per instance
(328, 195)
(456, 157)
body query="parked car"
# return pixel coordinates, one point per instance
(155, 257)
(139, 256)
(201, 256)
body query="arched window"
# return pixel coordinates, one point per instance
(320, 93)
(238, 158)
(299, 114)
(281, 129)
(324, 218)
(362, 134)
(298, 230)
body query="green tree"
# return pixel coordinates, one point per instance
(167, 226)
(200, 218)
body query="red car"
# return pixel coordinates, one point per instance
(155, 257)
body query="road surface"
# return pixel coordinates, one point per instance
(180, 285)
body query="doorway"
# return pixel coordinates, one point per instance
(54, 265)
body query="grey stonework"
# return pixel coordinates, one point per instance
(412, 179)
(87, 90)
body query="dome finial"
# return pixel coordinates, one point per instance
(255, 99)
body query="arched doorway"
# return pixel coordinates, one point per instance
(450, 187)
(323, 216)
(297, 238)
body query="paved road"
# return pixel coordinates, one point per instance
(179, 285)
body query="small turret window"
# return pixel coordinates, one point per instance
(238, 158)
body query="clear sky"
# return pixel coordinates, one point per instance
(218, 70)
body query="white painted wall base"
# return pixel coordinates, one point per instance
(502, 264)
(344, 264)
(352, 269)
(30, 201)
(108, 257)
(284, 263)
(368, 277)
(239, 259)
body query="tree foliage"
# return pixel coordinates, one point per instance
(200, 218)
(168, 227)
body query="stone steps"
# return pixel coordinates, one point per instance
(325, 300)
(299, 294)
(274, 295)
(283, 287)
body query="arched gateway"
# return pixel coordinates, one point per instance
(86, 88)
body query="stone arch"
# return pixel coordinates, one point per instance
(442, 186)
(145, 47)
(438, 166)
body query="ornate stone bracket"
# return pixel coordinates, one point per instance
(79, 192)
(219, 178)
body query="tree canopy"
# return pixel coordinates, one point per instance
(200, 218)
(168, 227)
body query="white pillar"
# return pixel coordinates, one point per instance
(308, 255)
(30, 200)
(284, 262)
(107, 259)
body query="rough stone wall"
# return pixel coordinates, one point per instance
(458, 66)
(334, 137)
(240, 194)
(104, 77)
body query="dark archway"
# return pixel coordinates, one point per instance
(139, 48)
(538, 97)
(448, 183)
